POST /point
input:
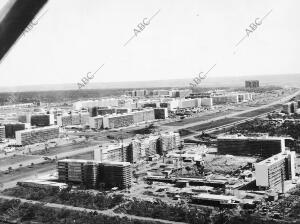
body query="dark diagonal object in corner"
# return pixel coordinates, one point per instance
(14, 18)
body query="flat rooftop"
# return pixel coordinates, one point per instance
(242, 137)
(214, 197)
(273, 159)
(94, 162)
(39, 129)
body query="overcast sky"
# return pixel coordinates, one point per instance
(185, 37)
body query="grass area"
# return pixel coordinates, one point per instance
(163, 210)
(99, 201)
(261, 111)
(65, 148)
(16, 159)
(184, 132)
(12, 211)
(198, 119)
(214, 124)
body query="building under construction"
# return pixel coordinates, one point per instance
(95, 174)
(264, 146)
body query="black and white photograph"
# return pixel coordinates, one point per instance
(149, 112)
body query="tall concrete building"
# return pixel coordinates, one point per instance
(11, 128)
(160, 113)
(168, 141)
(117, 153)
(223, 99)
(243, 145)
(252, 83)
(96, 122)
(289, 107)
(118, 121)
(272, 172)
(206, 102)
(37, 135)
(95, 174)
(42, 120)
(143, 115)
(2, 133)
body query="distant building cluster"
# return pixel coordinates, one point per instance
(158, 92)
(178, 99)
(94, 174)
(30, 123)
(231, 98)
(252, 83)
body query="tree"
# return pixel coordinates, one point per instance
(10, 169)
(188, 169)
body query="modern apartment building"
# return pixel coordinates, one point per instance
(143, 115)
(64, 120)
(289, 107)
(96, 122)
(11, 128)
(223, 99)
(73, 119)
(114, 174)
(160, 113)
(37, 135)
(118, 121)
(168, 141)
(206, 102)
(272, 172)
(243, 145)
(180, 93)
(84, 118)
(42, 120)
(116, 153)
(95, 174)
(2, 133)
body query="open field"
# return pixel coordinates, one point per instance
(65, 148)
(261, 111)
(16, 159)
(214, 124)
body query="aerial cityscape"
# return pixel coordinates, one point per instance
(142, 149)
